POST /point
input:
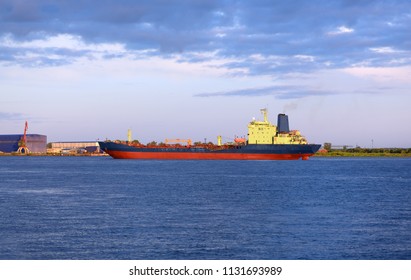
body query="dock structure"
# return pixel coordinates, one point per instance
(74, 147)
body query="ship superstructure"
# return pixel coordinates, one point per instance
(264, 132)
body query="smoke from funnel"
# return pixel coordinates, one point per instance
(290, 107)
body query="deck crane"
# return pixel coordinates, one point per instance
(23, 149)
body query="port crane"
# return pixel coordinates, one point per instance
(23, 149)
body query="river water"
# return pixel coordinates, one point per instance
(101, 208)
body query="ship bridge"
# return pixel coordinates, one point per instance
(264, 132)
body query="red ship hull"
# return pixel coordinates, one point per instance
(204, 156)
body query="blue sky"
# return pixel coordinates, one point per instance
(86, 70)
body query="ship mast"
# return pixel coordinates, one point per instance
(129, 136)
(264, 111)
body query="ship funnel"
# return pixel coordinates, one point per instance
(282, 123)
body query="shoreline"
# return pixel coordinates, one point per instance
(51, 155)
(364, 152)
(339, 155)
(333, 154)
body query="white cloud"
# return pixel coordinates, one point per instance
(382, 74)
(341, 30)
(60, 49)
(305, 58)
(385, 50)
(61, 41)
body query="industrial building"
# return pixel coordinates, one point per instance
(35, 143)
(74, 147)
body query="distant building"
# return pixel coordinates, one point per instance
(74, 147)
(36, 143)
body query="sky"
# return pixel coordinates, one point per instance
(88, 70)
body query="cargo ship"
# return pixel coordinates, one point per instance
(265, 142)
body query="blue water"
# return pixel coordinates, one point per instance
(100, 208)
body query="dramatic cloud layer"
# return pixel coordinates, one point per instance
(263, 37)
(282, 92)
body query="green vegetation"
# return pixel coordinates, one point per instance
(365, 152)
